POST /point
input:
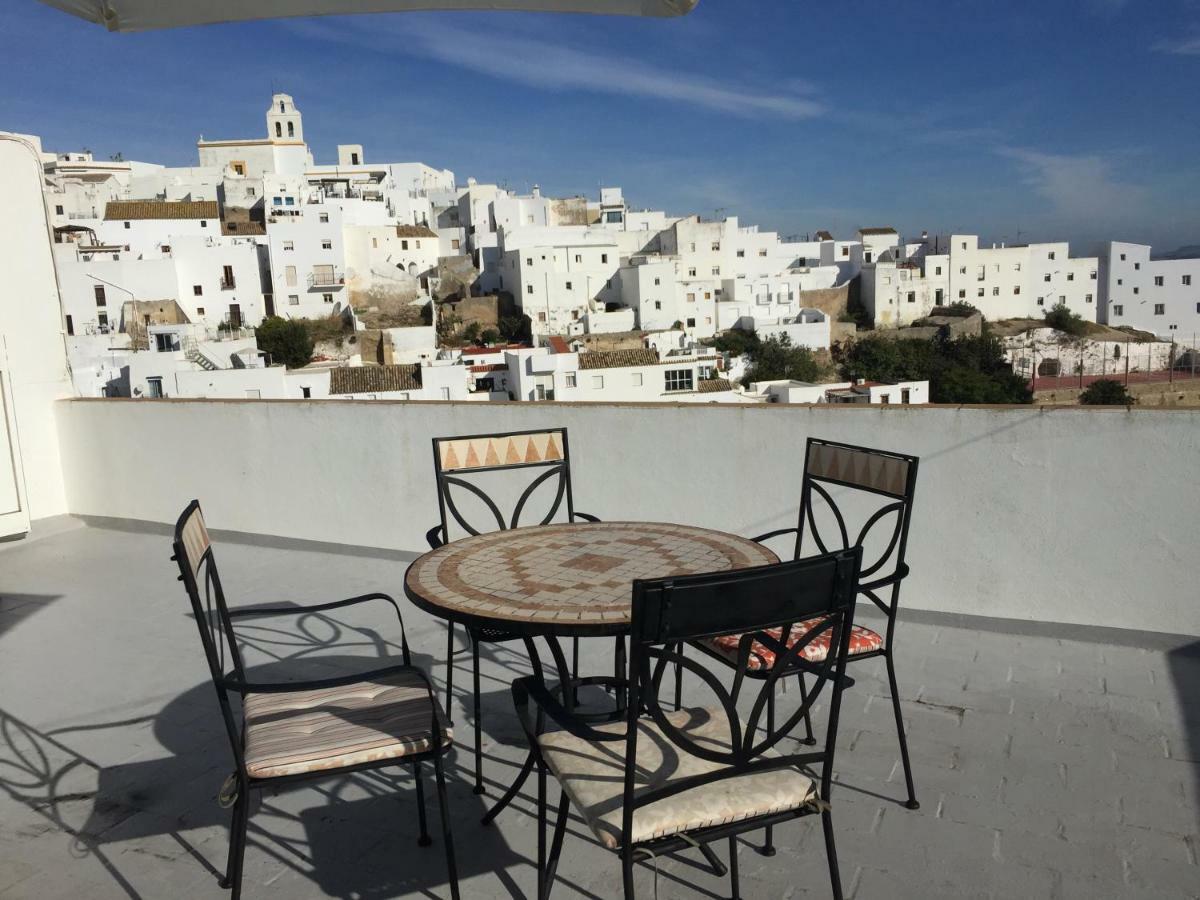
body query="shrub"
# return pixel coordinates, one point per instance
(735, 341)
(1060, 316)
(471, 332)
(490, 336)
(776, 359)
(286, 340)
(1106, 392)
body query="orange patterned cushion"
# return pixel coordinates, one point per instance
(862, 640)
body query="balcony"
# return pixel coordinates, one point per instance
(228, 284)
(1048, 658)
(326, 277)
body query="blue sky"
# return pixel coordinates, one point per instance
(1071, 119)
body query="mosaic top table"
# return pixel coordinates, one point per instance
(566, 580)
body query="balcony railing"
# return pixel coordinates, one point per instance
(228, 284)
(326, 278)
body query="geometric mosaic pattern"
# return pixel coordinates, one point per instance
(517, 449)
(570, 574)
(859, 467)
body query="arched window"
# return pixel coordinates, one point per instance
(412, 269)
(291, 129)
(278, 130)
(1117, 351)
(281, 109)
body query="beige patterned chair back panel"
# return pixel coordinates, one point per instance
(195, 540)
(859, 467)
(511, 450)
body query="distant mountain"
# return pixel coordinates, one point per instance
(1191, 251)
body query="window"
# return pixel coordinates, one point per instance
(204, 223)
(277, 201)
(374, 243)
(293, 300)
(1093, 275)
(741, 253)
(328, 298)
(691, 297)
(1046, 277)
(912, 297)
(199, 310)
(445, 393)
(1120, 281)
(657, 282)
(227, 279)
(716, 270)
(306, 393)
(636, 379)
(937, 270)
(1062, 298)
(541, 317)
(1122, 257)
(197, 290)
(691, 323)
(603, 257)
(326, 244)
(571, 379)
(154, 388)
(323, 218)
(1160, 309)
(763, 252)
(597, 382)
(70, 326)
(58, 210)
(1041, 301)
(1187, 279)
(1158, 281)
(1087, 298)
(455, 244)
(980, 292)
(289, 276)
(578, 257)
(288, 245)
(127, 225)
(716, 246)
(568, 285)
(1118, 310)
(691, 273)
(1016, 290)
(289, 201)
(905, 395)
(100, 299)
(528, 259)
(658, 304)
(962, 295)
(679, 380)
(1137, 267)
(962, 270)
(1050, 255)
(885, 399)
(692, 247)
(291, 129)
(1137, 290)
(102, 320)
(964, 245)
(529, 289)
(239, 168)
(845, 252)
(1070, 276)
(995, 292)
(867, 256)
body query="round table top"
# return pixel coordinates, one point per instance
(566, 578)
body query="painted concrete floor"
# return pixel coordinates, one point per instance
(1058, 766)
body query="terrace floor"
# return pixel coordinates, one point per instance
(1050, 761)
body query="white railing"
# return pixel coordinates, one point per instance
(1069, 515)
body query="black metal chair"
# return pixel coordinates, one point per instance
(885, 483)
(547, 453)
(297, 730)
(665, 780)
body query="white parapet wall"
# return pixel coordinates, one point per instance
(1084, 516)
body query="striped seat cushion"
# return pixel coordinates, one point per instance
(333, 728)
(593, 775)
(862, 640)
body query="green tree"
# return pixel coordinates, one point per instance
(471, 332)
(775, 359)
(1106, 392)
(735, 341)
(514, 328)
(1060, 316)
(490, 336)
(286, 340)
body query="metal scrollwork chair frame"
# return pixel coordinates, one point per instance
(194, 555)
(453, 458)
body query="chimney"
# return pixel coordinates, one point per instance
(537, 191)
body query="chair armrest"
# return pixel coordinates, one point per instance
(434, 537)
(531, 687)
(587, 517)
(895, 578)
(315, 684)
(298, 610)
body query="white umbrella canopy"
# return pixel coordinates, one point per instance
(144, 15)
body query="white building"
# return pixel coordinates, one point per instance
(896, 294)
(282, 151)
(857, 392)
(1009, 282)
(1161, 296)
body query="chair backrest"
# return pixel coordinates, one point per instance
(193, 553)
(880, 485)
(759, 605)
(459, 462)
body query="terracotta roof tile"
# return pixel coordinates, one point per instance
(714, 386)
(374, 379)
(120, 210)
(617, 359)
(877, 231)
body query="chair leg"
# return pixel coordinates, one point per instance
(679, 680)
(447, 837)
(733, 869)
(237, 842)
(541, 827)
(424, 840)
(719, 868)
(908, 779)
(449, 672)
(768, 847)
(627, 873)
(808, 731)
(560, 829)
(478, 720)
(835, 877)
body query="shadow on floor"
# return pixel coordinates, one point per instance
(1184, 663)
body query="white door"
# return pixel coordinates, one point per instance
(14, 517)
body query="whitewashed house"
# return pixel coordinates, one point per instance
(1161, 296)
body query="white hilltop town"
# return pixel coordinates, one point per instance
(412, 286)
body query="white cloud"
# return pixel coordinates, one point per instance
(1189, 46)
(1081, 189)
(546, 65)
